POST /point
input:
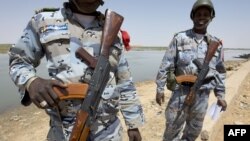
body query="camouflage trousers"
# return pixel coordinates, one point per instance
(185, 124)
(113, 132)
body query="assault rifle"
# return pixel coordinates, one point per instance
(198, 81)
(87, 113)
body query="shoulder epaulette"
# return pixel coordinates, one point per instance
(46, 10)
(175, 34)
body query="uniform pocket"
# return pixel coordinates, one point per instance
(185, 55)
(201, 52)
(56, 45)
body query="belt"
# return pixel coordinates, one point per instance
(205, 81)
(187, 84)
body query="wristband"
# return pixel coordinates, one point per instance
(27, 85)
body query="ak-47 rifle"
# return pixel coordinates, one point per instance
(198, 81)
(87, 113)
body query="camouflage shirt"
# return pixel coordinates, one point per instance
(183, 49)
(57, 35)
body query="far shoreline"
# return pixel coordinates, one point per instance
(4, 48)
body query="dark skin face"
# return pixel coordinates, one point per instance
(87, 6)
(201, 19)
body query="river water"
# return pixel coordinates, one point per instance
(143, 66)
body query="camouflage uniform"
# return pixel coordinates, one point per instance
(56, 35)
(183, 49)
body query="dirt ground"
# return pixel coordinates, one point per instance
(238, 111)
(31, 123)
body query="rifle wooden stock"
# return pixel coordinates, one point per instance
(114, 21)
(185, 78)
(80, 131)
(83, 55)
(87, 113)
(189, 100)
(73, 91)
(213, 45)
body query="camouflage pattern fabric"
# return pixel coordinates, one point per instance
(183, 49)
(57, 35)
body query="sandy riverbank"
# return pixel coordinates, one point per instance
(31, 124)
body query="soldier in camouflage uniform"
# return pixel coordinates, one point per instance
(56, 34)
(185, 47)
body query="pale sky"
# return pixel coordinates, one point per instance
(149, 22)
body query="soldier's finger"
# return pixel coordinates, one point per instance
(58, 83)
(37, 99)
(131, 138)
(48, 99)
(137, 138)
(224, 108)
(53, 95)
(158, 101)
(219, 103)
(37, 104)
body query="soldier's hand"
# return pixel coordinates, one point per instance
(134, 135)
(223, 104)
(160, 98)
(41, 92)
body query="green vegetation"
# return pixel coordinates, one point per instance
(4, 48)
